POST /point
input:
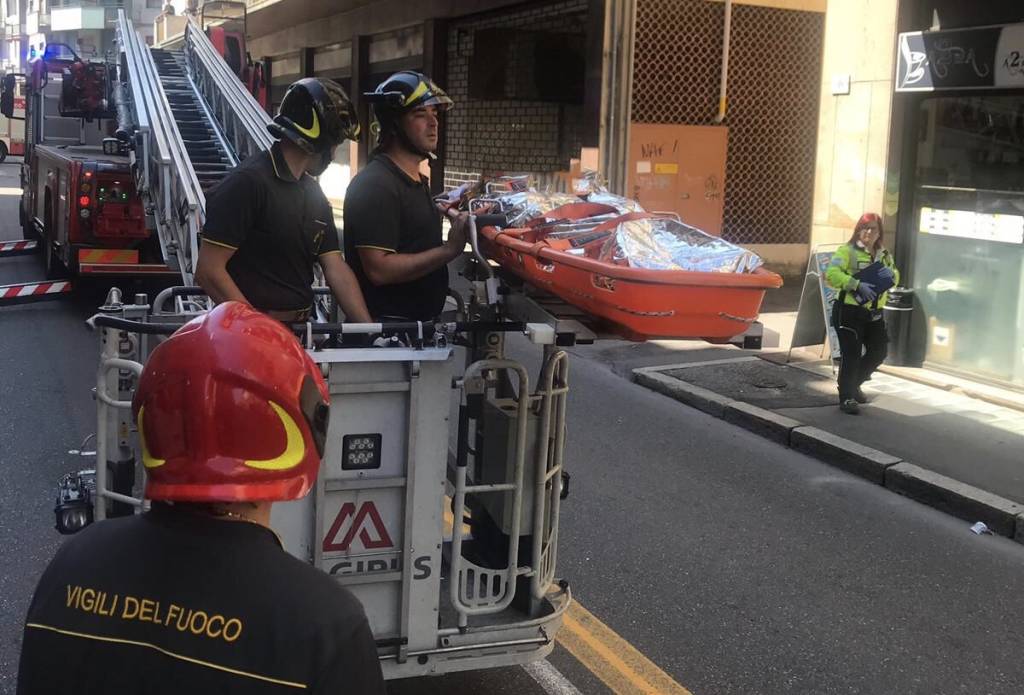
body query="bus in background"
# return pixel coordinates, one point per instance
(12, 130)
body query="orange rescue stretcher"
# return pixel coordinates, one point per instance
(640, 303)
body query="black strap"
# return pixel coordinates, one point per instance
(837, 310)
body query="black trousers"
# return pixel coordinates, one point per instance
(863, 344)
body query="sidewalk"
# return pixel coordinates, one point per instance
(924, 434)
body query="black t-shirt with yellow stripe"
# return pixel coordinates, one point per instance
(177, 602)
(279, 227)
(385, 209)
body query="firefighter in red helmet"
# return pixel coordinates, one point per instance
(197, 594)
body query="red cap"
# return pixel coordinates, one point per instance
(231, 408)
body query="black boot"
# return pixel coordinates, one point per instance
(850, 407)
(858, 395)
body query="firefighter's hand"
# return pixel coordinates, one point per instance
(457, 234)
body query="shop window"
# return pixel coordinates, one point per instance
(968, 231)
(972, 142)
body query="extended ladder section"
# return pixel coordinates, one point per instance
(208, 153)
(188, 119)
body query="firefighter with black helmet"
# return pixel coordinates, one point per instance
(197, 595)
(393, 237)
(268, 221)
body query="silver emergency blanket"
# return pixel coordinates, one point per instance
(591, 187)
(651, 243)
(521, 207)
(522, 203)
(621, 204)
(667, 244)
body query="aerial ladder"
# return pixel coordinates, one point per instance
(186, 120)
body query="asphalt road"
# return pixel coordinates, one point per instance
(736, 565)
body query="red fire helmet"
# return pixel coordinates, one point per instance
(231, 408)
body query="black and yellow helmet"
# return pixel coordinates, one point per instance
(316, 115)
(408, 90)
(403, 92)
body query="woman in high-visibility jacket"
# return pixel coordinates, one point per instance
(857, 313)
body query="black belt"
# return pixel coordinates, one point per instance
(288, 315)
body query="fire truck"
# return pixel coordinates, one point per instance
(78, 197)
(82, 198)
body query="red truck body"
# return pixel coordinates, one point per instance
(79, 201)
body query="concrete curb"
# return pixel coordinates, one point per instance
(770, 425)
(956, 498)
(1001, 515)
(862, 461)
(701, 399)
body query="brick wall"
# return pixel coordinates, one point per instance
(502, 135)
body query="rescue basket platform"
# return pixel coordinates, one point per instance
(640, 303)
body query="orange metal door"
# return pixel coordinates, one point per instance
(681, 169)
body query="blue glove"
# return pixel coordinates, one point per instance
(865, 292)
(886, 273)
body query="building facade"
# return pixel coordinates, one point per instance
(956, 166)
(499, 124)
(548, 87)
(922, 120)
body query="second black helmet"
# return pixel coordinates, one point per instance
(403, 92)
(316, 115)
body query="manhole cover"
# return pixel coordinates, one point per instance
(768, 383)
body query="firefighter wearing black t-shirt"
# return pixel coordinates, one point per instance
(197, 595)
(392, 228)
(268, 221)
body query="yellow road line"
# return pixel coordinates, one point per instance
(612, 659)
(601, 650)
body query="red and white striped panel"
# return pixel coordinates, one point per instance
(28, 290)
(17, 246)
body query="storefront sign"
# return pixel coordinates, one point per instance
(1007, 229)
(985, 58)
